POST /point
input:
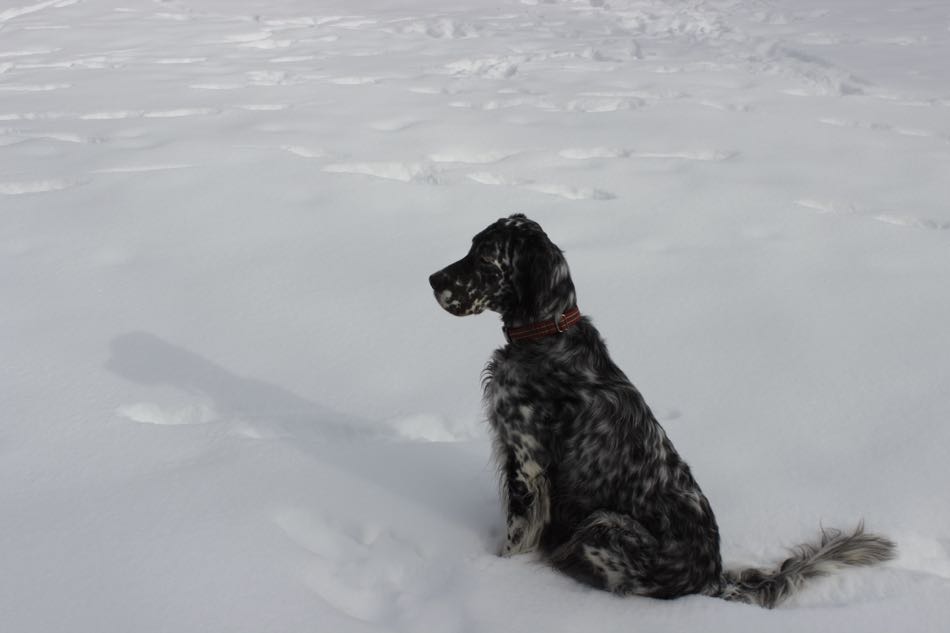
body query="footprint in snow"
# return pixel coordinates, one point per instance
(354, 81)
(360, 570)
(567, 192)
(396, 124)
(423, 427)
(37, 186)
(180, 60)
(470, 157)
(887, 217)
(289, 59)
(217, 86)
(586, 153)
(34, 87)
(137, 169)
(151, 413)
(595, 105)
(263, 107)
(485, 67)
(304, 152)
(402, 172)
(880, 127)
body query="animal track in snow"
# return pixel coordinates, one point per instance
(470, 157)
(488, 178)
(304, 152)
(177, 17)
(439, 28)
(217, 86)
(396, 124)
(147, 114)
(912, 221)
(354, 81)
(150, 413)
(701, 155)
(271, 78)
(180, 112)
(288, 59)
(243, 38)
(9, 14)
(402, 172)
(29, 52)
(580, 153)
(560, 190)
(34, 87)
(355, 24)
(501, 104)
(37, 186)
(427, 90)
(822, 77)
(133, 169)
(485, 67)
(428, 428)
(568, 192)
(269, 44)
(887, 217)
(294, 23)
(263, 106)
(63, 137)
(595, 105)
(358, 569)
(728, 107)
(181, 60)
(882, 127)
(115, 114)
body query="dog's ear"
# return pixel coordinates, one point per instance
(533, 278)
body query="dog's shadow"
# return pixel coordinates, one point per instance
(447, 478)
(146, 359)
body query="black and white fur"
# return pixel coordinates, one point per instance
(589, 477)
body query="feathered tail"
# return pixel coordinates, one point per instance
(768, 588)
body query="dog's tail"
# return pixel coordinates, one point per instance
(768, 588)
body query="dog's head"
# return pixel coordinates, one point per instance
(512, 268)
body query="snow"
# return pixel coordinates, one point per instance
(230, 403)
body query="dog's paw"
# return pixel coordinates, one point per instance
(516, 541)
(512, 549)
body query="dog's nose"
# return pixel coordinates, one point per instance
(434, 280)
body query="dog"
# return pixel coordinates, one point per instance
(589, 478)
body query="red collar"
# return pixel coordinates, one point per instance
(541, 329)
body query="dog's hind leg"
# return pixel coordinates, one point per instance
(616, 552)
(609, 551)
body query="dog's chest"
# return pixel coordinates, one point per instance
(518, 406)
(506, 403)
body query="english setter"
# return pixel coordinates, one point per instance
(589, 477)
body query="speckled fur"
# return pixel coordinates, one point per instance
(589, 477)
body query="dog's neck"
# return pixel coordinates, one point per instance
(552, 310)
(560, 300)
(543, 329)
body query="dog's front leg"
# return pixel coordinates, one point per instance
(527, 492)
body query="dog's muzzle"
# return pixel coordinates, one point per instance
(440, 282)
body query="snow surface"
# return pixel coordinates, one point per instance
(229, 402)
